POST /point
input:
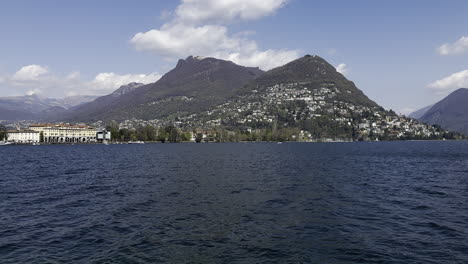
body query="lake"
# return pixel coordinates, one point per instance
(363, 202)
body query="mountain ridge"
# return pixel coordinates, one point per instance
(192, 85)
(34, 107)
(314, 70)
(451, 112)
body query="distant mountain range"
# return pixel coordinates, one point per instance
(450, 113)
(419, 113)
(33, 107)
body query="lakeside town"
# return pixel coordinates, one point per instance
(282, 112)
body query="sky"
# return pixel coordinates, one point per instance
(403, 54)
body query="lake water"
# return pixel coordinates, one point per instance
(374, 202)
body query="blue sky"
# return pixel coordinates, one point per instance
(393, 50)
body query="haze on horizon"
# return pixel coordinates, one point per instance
(404, 55)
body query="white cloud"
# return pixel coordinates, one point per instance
(110, 81)
(458, 47)
(37, 79)
(30, 73)
(181, 40)
(33, 92)
(225, 11)
(451, 82)
(185, 35)
(342, 68)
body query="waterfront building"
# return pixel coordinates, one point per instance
(64, 133)
(103, 136)
(23, 136)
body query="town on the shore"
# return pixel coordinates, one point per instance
(285, 112)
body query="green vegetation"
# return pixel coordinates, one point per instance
(148, 133)
(3, 133)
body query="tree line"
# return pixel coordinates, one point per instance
(163, 134)
(3, 133)
(319, 128)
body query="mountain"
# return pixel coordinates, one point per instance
(125, 89)
(419, 113)
(451, 112)
(313, 71)
(194, 85)
(306, 99)
(32, 107)
(99, 105)
(71, 101)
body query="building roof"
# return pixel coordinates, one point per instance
(61, 126)
(22, 131)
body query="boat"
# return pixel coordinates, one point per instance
(136, 142)
(4, 143)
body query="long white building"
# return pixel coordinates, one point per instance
(23, 136)
(65, 133)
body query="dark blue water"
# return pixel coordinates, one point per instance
(383, 202)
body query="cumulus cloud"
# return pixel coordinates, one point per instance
(110, 81)
(187, 35)
(458, 47)
(37, 79)
(451, 82)
(33, 92)
(225, 11)
(30, 73)
(342, 68)
(181, 40)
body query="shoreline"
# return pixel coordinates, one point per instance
(213, 142)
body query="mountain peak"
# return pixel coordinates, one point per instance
(451, 112)
(191, 57)
(459, 91)
(124, 89)
(313, 71)
(191, 60)
(304, 69)
(207, 68)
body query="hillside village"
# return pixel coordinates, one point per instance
(318, 112)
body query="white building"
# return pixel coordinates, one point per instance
(23, 136)
(103, 135)
(65, 133)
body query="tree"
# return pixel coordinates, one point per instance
(3, 133)
(162, 135)
(113, 127)
(41, 137)
(199, 138)
(124, 134)
(186, 136)
(150, 132)
(173, 134)
(141, 134)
